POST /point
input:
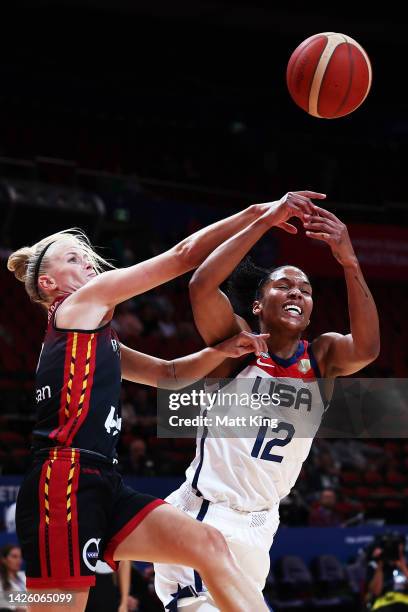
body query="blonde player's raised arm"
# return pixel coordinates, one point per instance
(115, 286)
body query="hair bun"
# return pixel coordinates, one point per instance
(18, 262)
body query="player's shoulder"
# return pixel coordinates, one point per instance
(321, 346)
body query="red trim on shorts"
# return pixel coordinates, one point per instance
(60, 583)
(75, 534)
(41, 526)
(59, 550)
(126, 530)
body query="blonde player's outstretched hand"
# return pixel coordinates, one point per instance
(292, 204)
(243, 343)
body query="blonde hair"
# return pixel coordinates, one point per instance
(26, 265)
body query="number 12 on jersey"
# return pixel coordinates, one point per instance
(266, 454)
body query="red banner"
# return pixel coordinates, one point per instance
(382, 251)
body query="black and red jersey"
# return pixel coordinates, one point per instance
(78, 383)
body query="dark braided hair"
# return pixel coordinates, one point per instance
(245, 285)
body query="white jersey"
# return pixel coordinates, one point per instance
(254, 473)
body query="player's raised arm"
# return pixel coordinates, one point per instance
(116, 286)
(145, 369)
(213, 313)
(346, 354)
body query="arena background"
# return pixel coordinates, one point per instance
(141, 122)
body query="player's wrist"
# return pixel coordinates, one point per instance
(349, 262)
(215, 352)
(259, 209)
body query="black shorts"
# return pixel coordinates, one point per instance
(73, 509)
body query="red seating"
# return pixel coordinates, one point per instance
(362, 493)
(395, 479)
(393, 448)
(393, 504)
(11, 438)
(372, 477)
(350, 478)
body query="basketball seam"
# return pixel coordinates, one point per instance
(351, 73)
(368, 63)
(314, 73)
(322, 82)
(299, 57)
(317, 93)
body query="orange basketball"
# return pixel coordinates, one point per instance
(329, 75)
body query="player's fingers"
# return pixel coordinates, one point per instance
(250, 343)
(319, 236)
(312, 220)
(262, 346)
(309, 207)
(320, 227)
(326, 213)
(312, 194)
(262, 342)
(304, 203)
(288, 227)
(298, 208)
(257, 346)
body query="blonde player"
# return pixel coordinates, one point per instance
(73, 506)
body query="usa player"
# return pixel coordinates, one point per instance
(73, 506)
(236, 483)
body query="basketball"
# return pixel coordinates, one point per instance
(329, 75)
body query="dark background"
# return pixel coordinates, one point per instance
(195, 92)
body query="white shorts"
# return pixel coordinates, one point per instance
(249, 536)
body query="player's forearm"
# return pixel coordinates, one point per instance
(124, 571)
(221, 263)
(191, 368)
(364, 323)
(194, 249)
(377, 583)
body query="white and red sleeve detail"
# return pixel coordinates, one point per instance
(301, 365)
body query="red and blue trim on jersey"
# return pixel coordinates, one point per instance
(292, 367)
(302, 364)
(77, 384)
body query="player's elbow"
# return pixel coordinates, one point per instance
(188, 254)
(376, 352)
(373, 350)
(198, 285)
(369, 353)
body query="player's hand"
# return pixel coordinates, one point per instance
(131, 604)
(324, 225)
(292, 204)
(243, 343)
